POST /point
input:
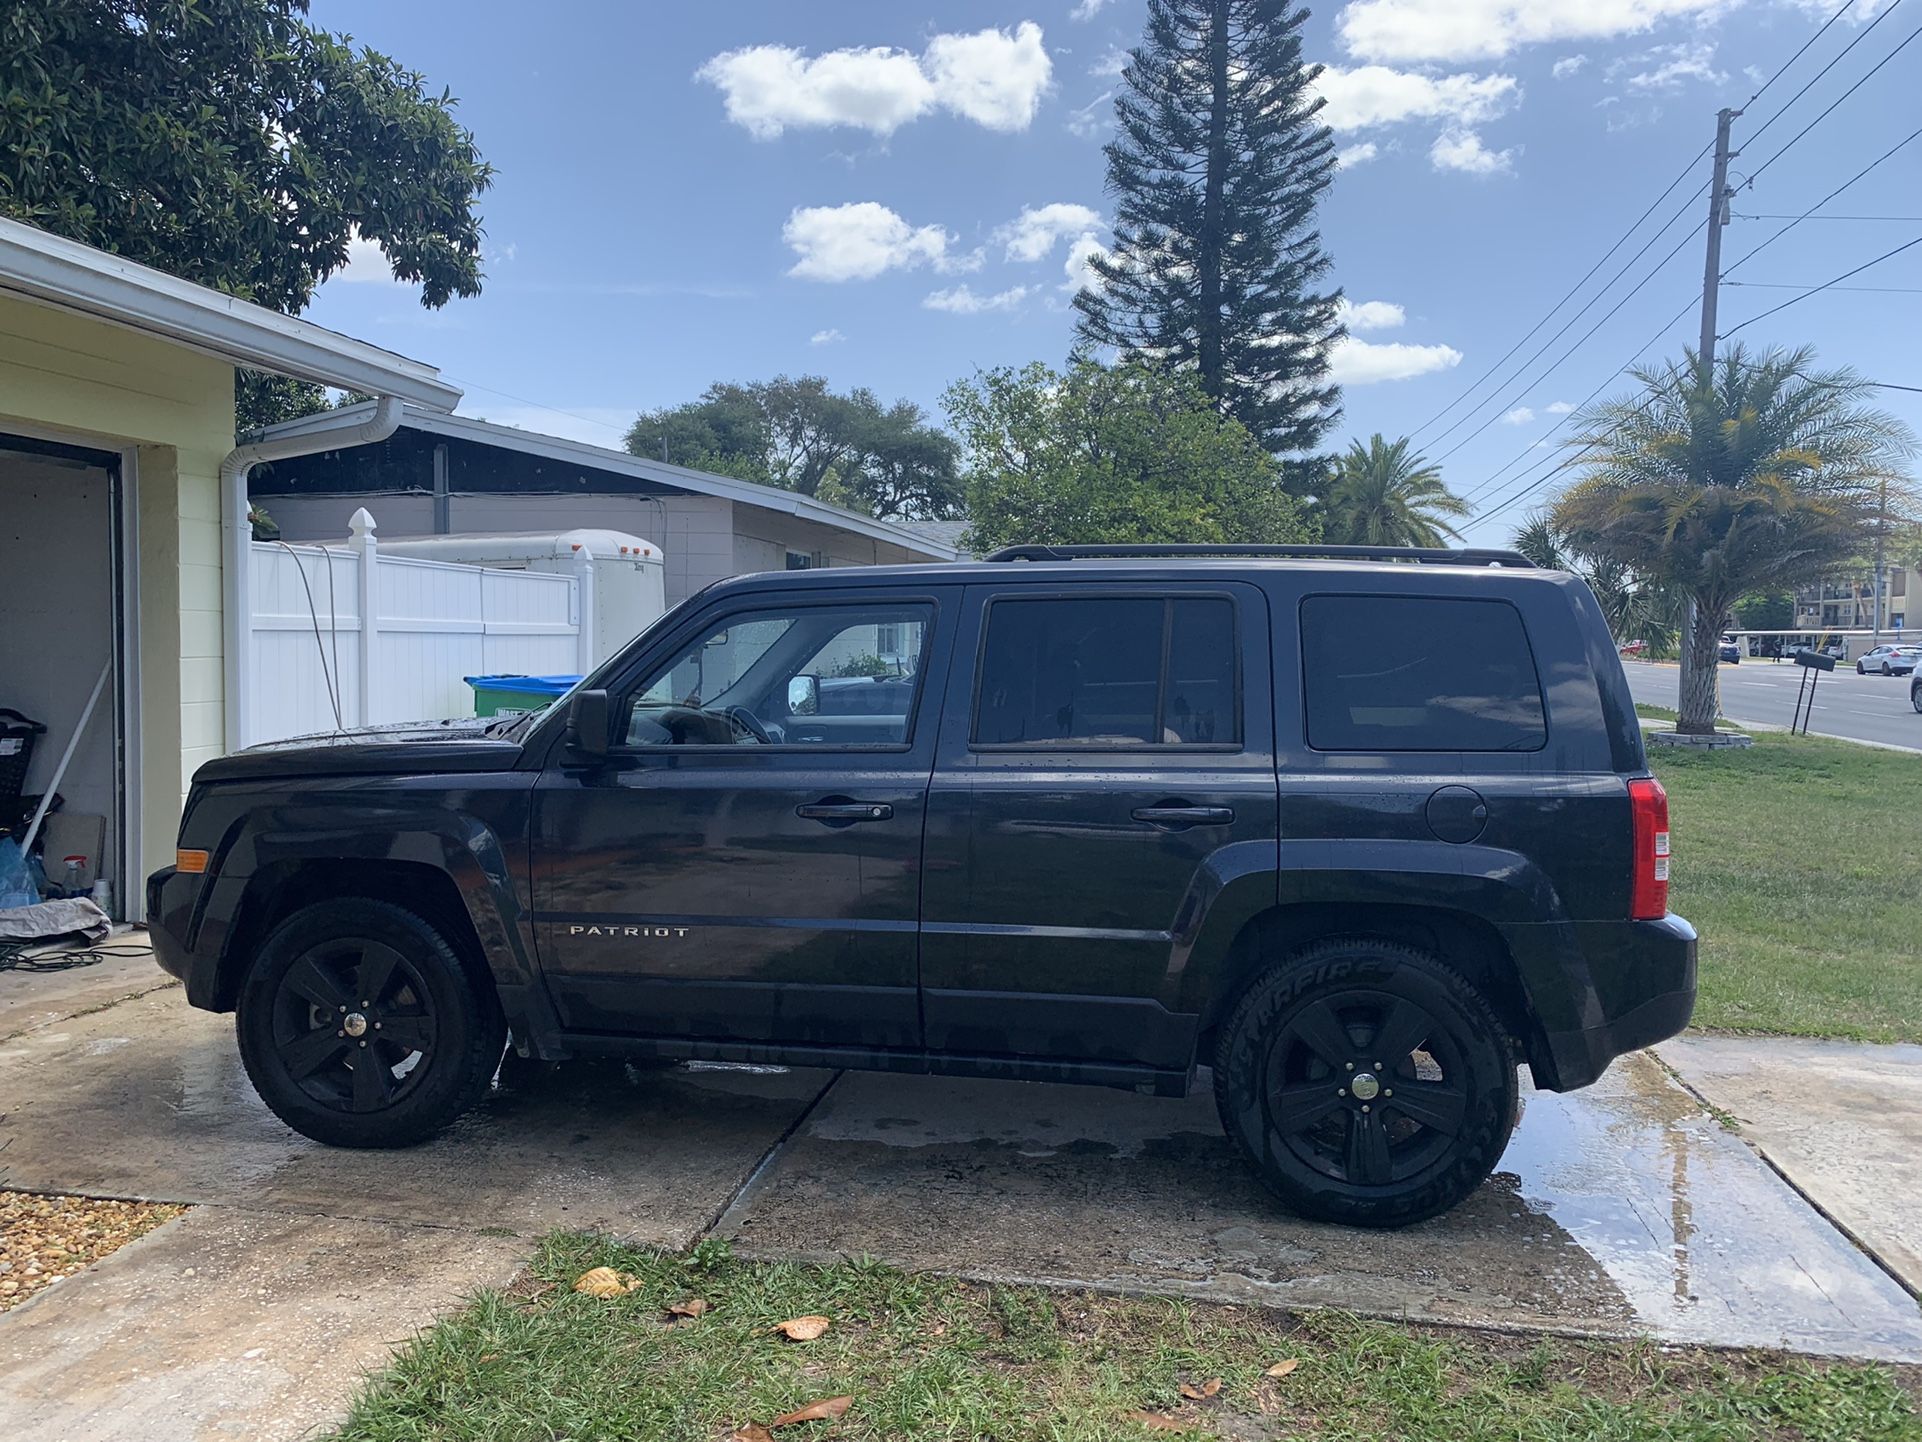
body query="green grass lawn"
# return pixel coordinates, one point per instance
(1800, 861)
(927, 1358)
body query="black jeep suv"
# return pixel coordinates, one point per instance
(1356, 829)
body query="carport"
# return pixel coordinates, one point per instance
(123, 525)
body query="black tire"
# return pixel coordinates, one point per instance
(433, 1033)
(1859, 670)
(1915, 695)
(1294, 1036)
(1885, 669)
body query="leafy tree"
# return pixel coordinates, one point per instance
(1757, 473)
(796, 434)
(1382, 495)
(1635, 609)
(1766, 611)
(227, 142)
(1216, 266)
(1123, 454)
(264, 399)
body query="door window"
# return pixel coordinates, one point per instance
(795, 676)
(1418, 673)
(1116, 671)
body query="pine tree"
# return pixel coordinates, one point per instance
(1216, 265)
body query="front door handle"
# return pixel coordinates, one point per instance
(844, 812)
(1180, 818)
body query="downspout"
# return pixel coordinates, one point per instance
(236, 540)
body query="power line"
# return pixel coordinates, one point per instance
(1830, 110)
(1826, 285)
(1788, 104)
(1797, 220)
(1741, 215)
(1623, 239)
(1857, 289)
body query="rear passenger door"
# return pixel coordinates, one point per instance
(1100, 747)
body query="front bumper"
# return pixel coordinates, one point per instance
(1644, 979)
(174, 915)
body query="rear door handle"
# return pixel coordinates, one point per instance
(1180, 818)
(844, 812)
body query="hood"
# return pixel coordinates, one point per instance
(401, 748)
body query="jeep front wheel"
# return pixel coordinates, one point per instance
(1367, 1083)
(359, 1026)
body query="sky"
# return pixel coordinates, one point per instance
(897, 195)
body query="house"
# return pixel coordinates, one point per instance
(441, 474)
(123, 518)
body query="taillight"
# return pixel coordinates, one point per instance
(1648, 882)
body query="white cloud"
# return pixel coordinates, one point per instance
(366, 264)
(1357, 154)
(1078, 269)
(1567, 66)
(1455, 30)
(1372, 95)
(829, 336)
(991, 77)
(963, 301)
(1675, 64)
(1087, 9)
(1355, 362)
(863, 240)
(1520, 416)
(1369, 314)
(1559, 408)
(1034, 233)
(1109, 64)
(1463, 150)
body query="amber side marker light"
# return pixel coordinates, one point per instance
(194, 862)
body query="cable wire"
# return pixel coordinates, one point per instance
(1805, 215)
(1830, 110)
(1817, 290)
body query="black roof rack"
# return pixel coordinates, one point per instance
(1425, 555)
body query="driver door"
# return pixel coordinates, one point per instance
(744, 864)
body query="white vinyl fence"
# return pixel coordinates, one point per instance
(344, 636)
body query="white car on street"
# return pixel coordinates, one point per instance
(1889, 660)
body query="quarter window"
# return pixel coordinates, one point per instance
(1124, 671)
(1417, 673)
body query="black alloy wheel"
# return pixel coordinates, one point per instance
(1367, 1082)
(360, 1026)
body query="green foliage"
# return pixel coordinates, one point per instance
(1381, 495)
(1758, 473)
(227, 142)
(1097, 454)
(796, 434)
(1216, 267)
(263, 399)
(1766, 611)
(864, 665)
(1636, 609)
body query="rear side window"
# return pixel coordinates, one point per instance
(1121, 671)
(1418, 673)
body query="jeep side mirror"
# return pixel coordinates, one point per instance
(804, 696)
(587, 722)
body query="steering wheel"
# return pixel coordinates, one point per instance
(745, 720)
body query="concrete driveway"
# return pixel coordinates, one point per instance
(1627, 1208)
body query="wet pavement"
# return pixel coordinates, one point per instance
(1842, 1121)
(1627, 1208)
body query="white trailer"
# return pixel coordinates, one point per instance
(629, 586)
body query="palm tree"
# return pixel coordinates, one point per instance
(1635, 609)
(1757, 472)
(1382, 495)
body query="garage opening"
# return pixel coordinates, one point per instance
(62, 622)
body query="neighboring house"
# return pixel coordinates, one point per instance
(450, 475)
(117, 464)
(1846, 602)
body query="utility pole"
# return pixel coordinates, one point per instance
(1718, 196)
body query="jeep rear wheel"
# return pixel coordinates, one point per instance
(1367, 1083)
(359, 1026)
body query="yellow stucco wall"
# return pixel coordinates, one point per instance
(103, 385)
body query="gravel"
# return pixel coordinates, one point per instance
(46, 1239)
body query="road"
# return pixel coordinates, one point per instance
(1856, 708)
